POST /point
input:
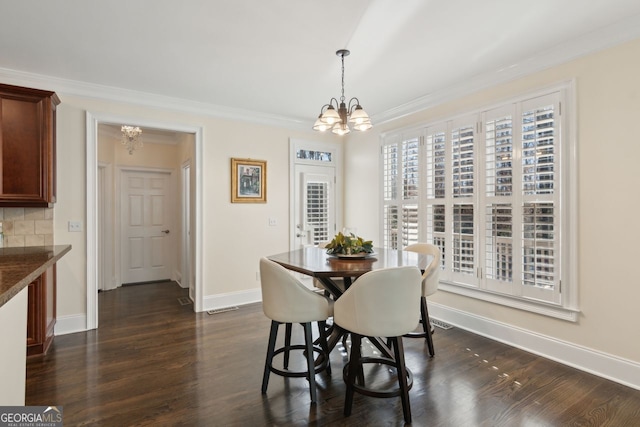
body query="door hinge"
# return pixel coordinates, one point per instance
(559, 286)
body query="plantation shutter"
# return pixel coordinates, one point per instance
(435, 190)
(498, 233)
(463, 199)
(401, 192)
(540, 235)
(317, 210)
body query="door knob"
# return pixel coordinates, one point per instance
(165, 231)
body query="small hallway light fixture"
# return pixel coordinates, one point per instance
(337, 117)
(130, 138)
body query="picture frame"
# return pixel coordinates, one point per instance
(248, 181)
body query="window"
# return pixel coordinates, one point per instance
(490, 189)
(401, 180)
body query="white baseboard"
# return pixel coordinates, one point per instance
(604, 365)
(70, 324)
(231, 299)
(178, 279)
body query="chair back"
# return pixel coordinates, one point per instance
(431, 275)
(286, 300)
(379, 303)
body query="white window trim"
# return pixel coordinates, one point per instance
(568, 308)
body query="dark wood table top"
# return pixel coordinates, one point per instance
(316, 262)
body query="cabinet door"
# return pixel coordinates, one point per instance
(41, 312)
(34, 313)
(27, 146)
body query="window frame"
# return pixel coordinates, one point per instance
(565, 306)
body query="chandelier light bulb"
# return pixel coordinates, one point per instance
(321, 126)
(330, 116)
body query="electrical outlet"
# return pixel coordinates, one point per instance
(75, 226)
(273, 222)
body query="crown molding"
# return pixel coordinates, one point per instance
(95, 91)
(589, 43)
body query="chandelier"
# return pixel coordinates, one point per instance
(337, 117)
(130, 135)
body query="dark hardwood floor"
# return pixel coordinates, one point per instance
(154, 362)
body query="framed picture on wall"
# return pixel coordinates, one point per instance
(248, 181)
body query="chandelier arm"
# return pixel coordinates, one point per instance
(353, 106)
(330, 104)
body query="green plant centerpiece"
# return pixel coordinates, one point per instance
(349, 245)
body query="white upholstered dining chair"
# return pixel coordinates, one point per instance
(286, 300)
(430, 279)
(375, 305)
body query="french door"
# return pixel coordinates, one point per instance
(316, 193)
(315, 208)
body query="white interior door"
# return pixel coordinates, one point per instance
(315, 204)
(146, 221)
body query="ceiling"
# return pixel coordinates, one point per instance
(276, 58)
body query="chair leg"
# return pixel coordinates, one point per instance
(402, 378)
(287, 345)
(270, 350)
(426, 324)
(308, 339)
(353, 372)
(322, 329)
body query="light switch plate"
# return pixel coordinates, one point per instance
(75, 226)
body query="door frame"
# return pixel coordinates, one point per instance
(105, 265)
(118, 218)
(185, 232)
(92, 121)
(337, 151)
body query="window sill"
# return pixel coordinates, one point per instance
(538, 307)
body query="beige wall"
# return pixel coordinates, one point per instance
(608, 107)
(234, 236)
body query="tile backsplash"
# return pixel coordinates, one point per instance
(27, 226)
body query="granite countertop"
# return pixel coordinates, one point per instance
(20, 266)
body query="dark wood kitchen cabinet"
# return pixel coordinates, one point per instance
(41, 312)
(27, 147)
